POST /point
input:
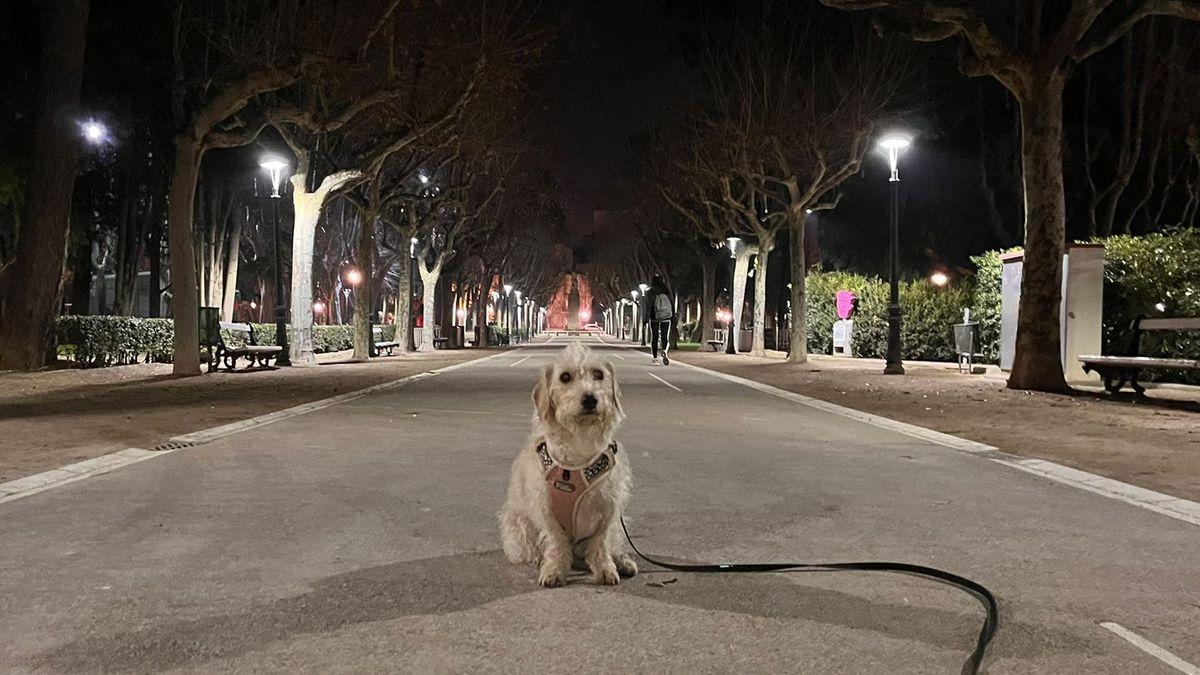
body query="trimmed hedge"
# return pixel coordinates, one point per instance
(930, 313)
(1139, 274)
(100, 341)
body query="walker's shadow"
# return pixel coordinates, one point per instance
(429, 586)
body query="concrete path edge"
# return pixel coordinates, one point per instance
(47, 480)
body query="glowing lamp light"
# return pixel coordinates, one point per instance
(318, 307)
(93, 132)
(462, 315)
(893, 144)
(939, 279)
(808, 211)
(423, 178)
(733, 242)
(274, 166)
(354, 277)
(253, 305)
(644, 287)
(1160, 307)
(585, 315)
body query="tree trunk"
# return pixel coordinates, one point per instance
(798, 326)
(307, 207)
(34, 280)
(232, 259)
(708, 305)
(741, 268)
(758, 346)
(1038, 361)
(185, 293)
(404, 322)
(363, 313)
(429, 279)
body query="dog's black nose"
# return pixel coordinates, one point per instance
(589, 402)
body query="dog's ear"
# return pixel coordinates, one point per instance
(616, 388)
(542, 401)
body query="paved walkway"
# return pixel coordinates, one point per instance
(361, 537)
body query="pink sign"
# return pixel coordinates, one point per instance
(845, 304)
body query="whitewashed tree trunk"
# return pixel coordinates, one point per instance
(429, 279)
(307, 206)
(231, 269)
(404, 336)
(740, 269)
(798, 326)
(758, 345)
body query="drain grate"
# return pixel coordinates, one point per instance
(172, 445)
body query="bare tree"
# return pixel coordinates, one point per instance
(1031, 47)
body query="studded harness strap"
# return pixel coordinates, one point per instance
(567, 486)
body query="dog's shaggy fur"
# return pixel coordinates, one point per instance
(574, 432)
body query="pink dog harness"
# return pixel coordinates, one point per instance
(566, 486)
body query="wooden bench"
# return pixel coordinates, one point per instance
(1119, 370)
(439, 341)
(254, 353)
(718, 341)
(378, 344)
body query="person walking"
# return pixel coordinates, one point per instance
(661, 317)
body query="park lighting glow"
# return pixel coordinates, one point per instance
(643, 287)
(462, 315)
(507, 289)
(939, 279)
(808, 211)
(733, 245)
(1160, 307)
(894, 144)
(274, 166)
(423, 178)
(318, 307)
(354, 277)
(584, 315)
(93, 132)
(253, 305)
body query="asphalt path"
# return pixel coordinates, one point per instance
(362, 537)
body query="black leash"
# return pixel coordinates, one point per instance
(978, 591)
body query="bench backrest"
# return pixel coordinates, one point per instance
(719, 334)
(241, 327)
(1177, 323)
(377, 331)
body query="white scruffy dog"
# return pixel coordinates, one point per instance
(571, 481)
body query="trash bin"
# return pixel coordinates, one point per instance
(965, 337)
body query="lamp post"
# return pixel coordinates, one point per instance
(275, 166)
(508, 312)
(731, 331)
(894, 144)
(517, 315)
(646, 300)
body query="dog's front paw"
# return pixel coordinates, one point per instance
(626, 567)
(550, 576)
(606, 576)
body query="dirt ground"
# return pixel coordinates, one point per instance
(53, 418)
(1154, 443)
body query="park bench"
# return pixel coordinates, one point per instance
(378, 344)
(439, 341)
(220, 351)
(718, 339)
(1125, 368)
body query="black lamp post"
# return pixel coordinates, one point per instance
(275, 167)
(893, 145)
(732, 329)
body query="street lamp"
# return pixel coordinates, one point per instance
(93, 132)
(731, 330)
(893, 144)
(516, 316)
(939, 279)
(274, 167)
(353, 277)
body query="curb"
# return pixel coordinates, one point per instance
(40, 482)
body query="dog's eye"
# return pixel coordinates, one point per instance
(564, 378)
(598, 374)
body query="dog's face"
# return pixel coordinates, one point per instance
(578, 391)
